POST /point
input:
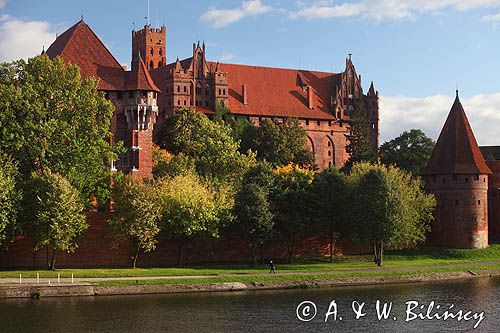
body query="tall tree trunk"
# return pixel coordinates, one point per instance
(291, 249)
(180, 251)
(331, 245)
(136, 255)
(47, 257)
(53, 260)
(262, 253)
(381, 253)
(254, 256)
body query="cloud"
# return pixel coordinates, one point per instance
(226, 57)
(219, 18)
(400, 114)
(492, 18)
(23, 39)
(385, 9)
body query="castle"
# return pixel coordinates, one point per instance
(465, 180)
(151, 91)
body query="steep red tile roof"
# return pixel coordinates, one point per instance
(279, 92)
(139, 79)
(79, 45)
(456, 150)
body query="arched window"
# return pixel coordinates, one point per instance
(151, 51)
(160, 52)
(159, 63)
(151, 64)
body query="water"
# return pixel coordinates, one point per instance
(265, 311)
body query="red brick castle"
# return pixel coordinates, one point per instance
(466, 182)
(153, 89)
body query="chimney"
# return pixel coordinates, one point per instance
(244, 94)
(310, 102)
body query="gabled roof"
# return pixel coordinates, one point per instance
(79, 45)
(139, 79)
(491, 153)
(277, 92)
(456, 150)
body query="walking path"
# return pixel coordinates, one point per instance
(77, 280)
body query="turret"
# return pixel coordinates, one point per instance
(151, 44)
(458, 176)
(141, 111)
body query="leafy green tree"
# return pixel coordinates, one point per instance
(388, 207)
(254, 219)
(53, 212)
(290, 204)
(410, 151)
(215, 152)
(52, 118)
(361, 146)
(238, 124)
(328, 204)
(137, 214)
(189, 210)
(279, 143)
(10, 200)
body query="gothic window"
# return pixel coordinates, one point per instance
(151, 64)
(185, 89)
(178, 102)
(160, 52)
(219, 92)
(151, 51)
(159, 63)
(178, 88)
(224, 91)
(184, 103)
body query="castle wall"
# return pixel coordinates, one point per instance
(494, 200)
(95, 250)
(461, 214)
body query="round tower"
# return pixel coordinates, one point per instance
(458, 176)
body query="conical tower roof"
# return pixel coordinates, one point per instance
(456, 150)
(139, 78)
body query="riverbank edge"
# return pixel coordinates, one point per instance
(37, 291)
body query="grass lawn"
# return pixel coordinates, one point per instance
(294, 277)
(423, 256)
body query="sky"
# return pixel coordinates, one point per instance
(417, 52)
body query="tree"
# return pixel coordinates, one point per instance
(290, 204)
(137, 214)
(215, 152)
(189, 210)
(279, 143)
(254, 218)
(54, 215)
(361, 146)
(410, 151)
(328, 203)
(52, 118)
(388, 207)
(10, 200)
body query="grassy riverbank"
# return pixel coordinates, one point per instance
(414, 258)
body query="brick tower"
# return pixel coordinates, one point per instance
(372, 112)
(150, 43)
(457, 175)
(141, 112)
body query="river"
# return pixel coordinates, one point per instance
(263, 311)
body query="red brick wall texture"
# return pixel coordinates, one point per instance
(94, 250)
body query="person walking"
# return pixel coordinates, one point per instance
(272, 268)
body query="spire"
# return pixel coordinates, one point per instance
(371, 91)
(43, 50)
(456, 150)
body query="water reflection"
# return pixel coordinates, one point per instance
(270, 311)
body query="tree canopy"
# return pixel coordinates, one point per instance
(137, 214)
(410, 151)
(211, 144)
(388, 207)
(53, 214)
(361, 146)
(10, 197)
(279, 143)
(52, 118)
